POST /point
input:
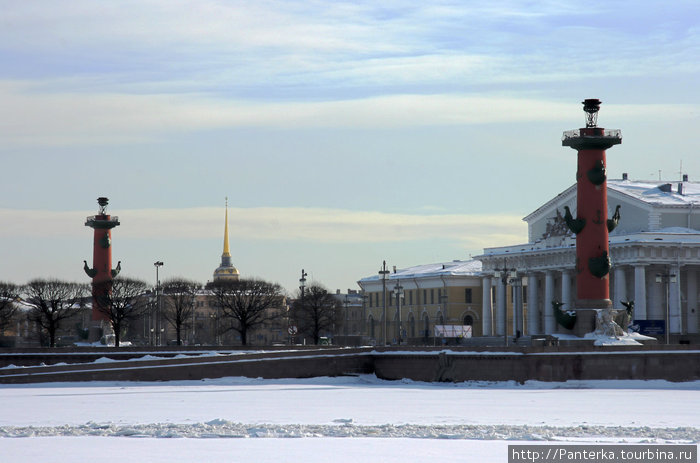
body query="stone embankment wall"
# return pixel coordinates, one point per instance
(671, 363)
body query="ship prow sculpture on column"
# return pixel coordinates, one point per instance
(593, 316)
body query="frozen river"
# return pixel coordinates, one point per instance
(333, 419)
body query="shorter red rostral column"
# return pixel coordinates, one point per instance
(101, 271)
(592, 249)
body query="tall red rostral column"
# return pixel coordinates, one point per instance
(592, 250)
(101, 271)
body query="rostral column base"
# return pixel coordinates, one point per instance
(593, 304)
(586, 313)
(96, 331)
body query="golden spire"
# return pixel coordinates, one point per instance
(226, 271)
(227, 250)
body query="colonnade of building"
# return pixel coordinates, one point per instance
(524, 302)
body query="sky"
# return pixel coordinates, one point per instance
(342, 133)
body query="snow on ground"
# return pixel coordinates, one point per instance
(329, 450)
(343, 419)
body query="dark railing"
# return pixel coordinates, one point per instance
(576, 133)
(94, 218)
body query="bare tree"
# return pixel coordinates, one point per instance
(52, 301)
(9, 293)
(178, 295)
(247, 304)
(318, 312)
(119, 302)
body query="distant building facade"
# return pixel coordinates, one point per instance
(351, 329)
(508, 291)
(428, 295)
(655, 255)
(207, 326)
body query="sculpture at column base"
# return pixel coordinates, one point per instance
(608, 333)
(605, 324)
(586, 312)
(612, 327)
(594, 317)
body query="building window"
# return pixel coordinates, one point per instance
(425, 296)
(432, 296)
(410, 297)
(468, 320)
(468, 295)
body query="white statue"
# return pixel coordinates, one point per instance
(605, 324)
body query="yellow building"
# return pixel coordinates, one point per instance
(424, 304)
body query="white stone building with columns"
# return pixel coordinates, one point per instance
(655, 255)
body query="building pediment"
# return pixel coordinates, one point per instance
(644, 206)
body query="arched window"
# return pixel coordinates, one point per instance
(468, 320)
(426, 325)
(411, 326)
(370, 322)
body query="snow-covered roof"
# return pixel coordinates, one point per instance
(661, 194)
(674, 235)
(669, 235)
(351, 298)
(453, 268)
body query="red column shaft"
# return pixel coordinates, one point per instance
(102, 263)
(592, 204)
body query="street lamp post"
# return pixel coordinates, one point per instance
(194, 320)
(398, 292)
(383, 272)
(517, 286)
(158, 265)
(150, 316)
(345, 324)
(442, 299)
(302, 285)
(667, 278)
(215, 331)
(363, 314)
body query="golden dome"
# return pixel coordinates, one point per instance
(226, 273)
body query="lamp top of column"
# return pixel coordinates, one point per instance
(592, 136)
(102, 220)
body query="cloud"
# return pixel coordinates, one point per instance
(316, 25)
(316, 47)
(278, 224)
(34, 118)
